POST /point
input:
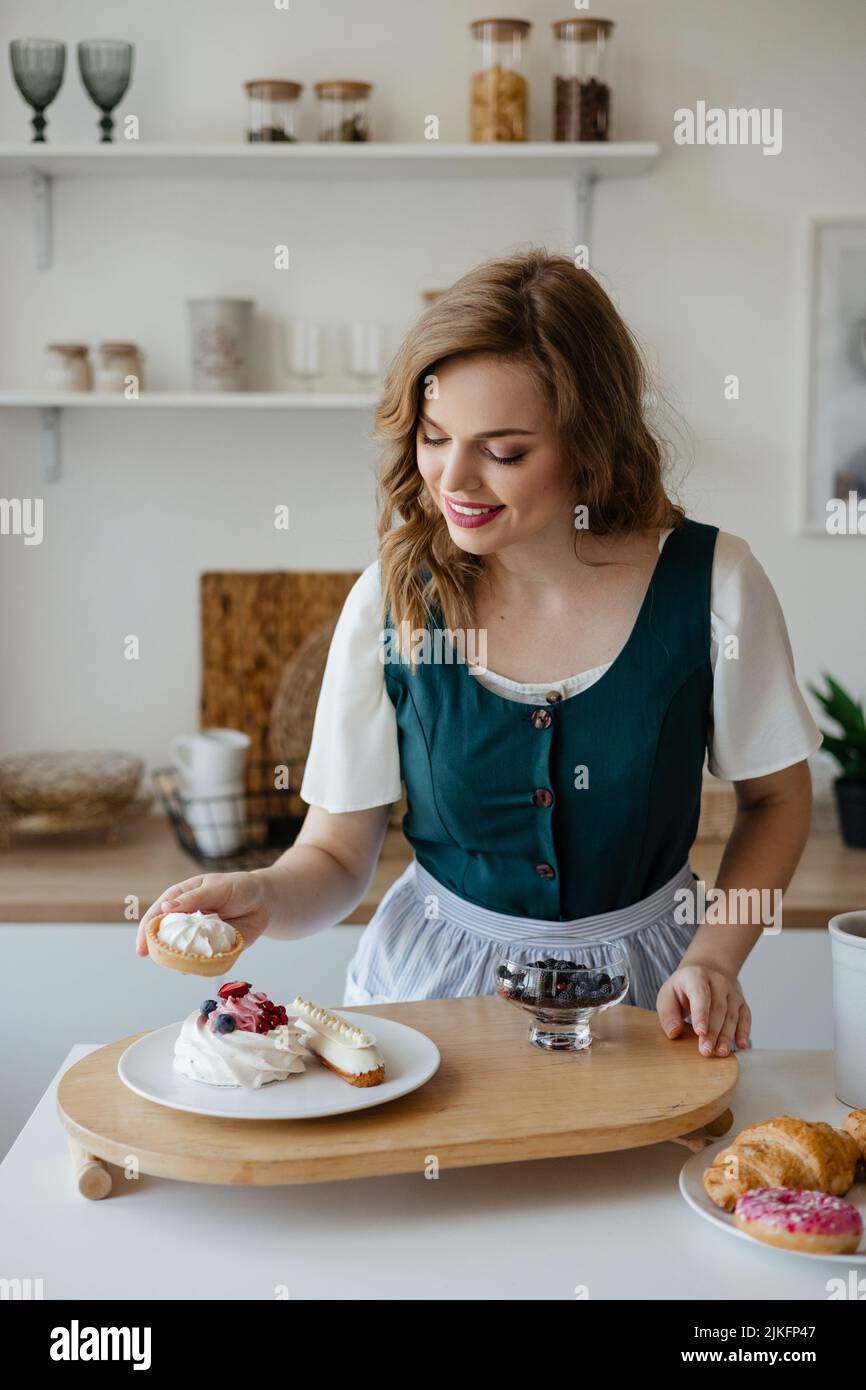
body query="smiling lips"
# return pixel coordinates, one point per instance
(470, 514)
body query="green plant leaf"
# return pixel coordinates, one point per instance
(840, 706)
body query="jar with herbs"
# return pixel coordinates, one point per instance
(344, 111)
(67, 367)
(271, 106)
(500, 91)
(581, 95)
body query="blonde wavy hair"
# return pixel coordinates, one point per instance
(537, 309)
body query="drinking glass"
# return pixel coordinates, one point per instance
(561, 995)
(106, 68)
(38, 66)
(304, 354)
(365, 353)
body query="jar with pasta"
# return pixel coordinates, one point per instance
(500, 91)
(581, 95)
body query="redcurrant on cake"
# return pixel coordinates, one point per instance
(238, 1039)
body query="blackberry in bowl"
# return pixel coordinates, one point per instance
(562, 995)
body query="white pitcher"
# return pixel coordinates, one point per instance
(848, 943)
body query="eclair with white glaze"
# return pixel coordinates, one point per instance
(341, 1047)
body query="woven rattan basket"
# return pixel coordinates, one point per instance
(294, 707)
(83, 783)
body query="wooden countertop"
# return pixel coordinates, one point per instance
(82, 879)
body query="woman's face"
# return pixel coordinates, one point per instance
(487, 452)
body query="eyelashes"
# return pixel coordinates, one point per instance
(511, 458)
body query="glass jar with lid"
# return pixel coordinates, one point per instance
(344, 111)
(271, 106)
(581, 96)
(500, 91)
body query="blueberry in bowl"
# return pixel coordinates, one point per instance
(560, 994)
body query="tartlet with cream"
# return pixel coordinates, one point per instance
(341, 1047)
(195, 943)
(240, 1038)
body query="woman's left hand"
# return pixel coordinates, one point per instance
(720, 1014)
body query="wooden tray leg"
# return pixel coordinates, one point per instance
(707, 1134)
(92, 1177)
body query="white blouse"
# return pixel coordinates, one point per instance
(760, 722)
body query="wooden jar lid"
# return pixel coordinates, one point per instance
(343, 87)
(499, 28)
(70, 349)
(276, 87)
(583, 29)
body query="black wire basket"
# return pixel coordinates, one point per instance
(246, 829)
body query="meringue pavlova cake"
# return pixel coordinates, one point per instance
(195, 943)
(341, 1047)
(238, 1039)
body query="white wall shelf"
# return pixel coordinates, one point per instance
(429, 160)
(50, 405)
(585, 164)
(189, 400)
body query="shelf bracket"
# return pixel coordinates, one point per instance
(43, 239)
(584, 193)
(49, 443)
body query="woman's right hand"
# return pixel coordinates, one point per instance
(244, 900)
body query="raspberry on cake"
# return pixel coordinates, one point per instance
(241, 1038)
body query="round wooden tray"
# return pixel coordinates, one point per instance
(495, 1099)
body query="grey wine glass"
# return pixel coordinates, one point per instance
(106, 68)
(38, 66)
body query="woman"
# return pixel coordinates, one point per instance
(544, 654)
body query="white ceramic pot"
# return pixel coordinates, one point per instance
(848, 943)
(217, 820)
(221, 332)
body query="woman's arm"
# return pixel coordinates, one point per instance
(764, 847)
(320, 879)
(326, 872)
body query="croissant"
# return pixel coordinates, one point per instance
(784, 1152)
(855, 1124)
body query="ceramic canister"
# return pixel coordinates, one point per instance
(848, 940)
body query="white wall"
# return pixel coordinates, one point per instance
(707, 258)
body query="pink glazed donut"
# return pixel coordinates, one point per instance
(797, 1220)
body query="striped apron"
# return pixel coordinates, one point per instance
(426, 942)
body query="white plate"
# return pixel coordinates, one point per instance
(692, 1188)
(411, 1058)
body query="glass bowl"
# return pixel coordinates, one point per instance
(562, 995)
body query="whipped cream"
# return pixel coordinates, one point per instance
(239, 1058)
(196, 933)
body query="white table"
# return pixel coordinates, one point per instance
(614, 1223)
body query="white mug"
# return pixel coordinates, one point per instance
(848, 943)
(212, 761)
